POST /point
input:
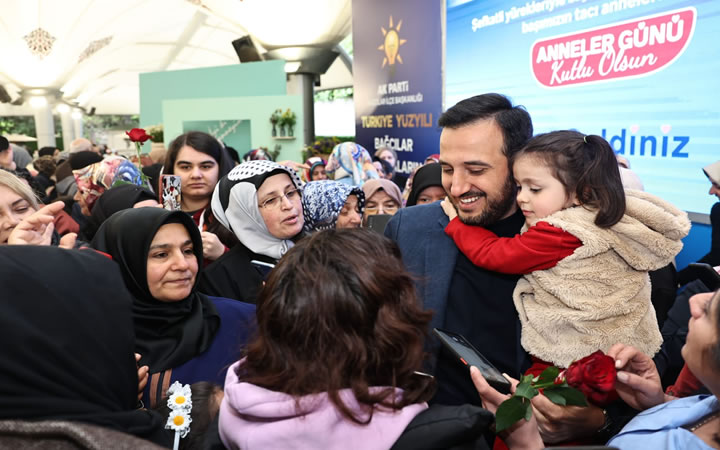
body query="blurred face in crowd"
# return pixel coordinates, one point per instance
(431, 194)
(81, 201)
(281, 206)
(349, 216)
(379, 168)
(388, 156)
(318, 173)
(475, 172)
(171, 264)
(13, 209)
(6, 159)
(380, 203)
(198, 173)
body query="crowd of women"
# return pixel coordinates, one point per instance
(295, 325)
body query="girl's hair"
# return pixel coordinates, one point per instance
(205, 408)
(585, 165)
(353, 323)
(203, 143)
(19, 186)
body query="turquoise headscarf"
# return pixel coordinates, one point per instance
(348, 160)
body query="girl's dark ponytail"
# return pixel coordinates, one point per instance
(600, 184)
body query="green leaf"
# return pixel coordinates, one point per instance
(549, 375)
(554, 397)
(528, 412)
(510, 411)
(571, 395)
(526, 390)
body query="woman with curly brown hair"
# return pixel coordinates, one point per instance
(335, 357)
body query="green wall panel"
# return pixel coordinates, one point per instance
(178, 114)
(238, 80)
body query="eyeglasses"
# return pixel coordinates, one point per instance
(275, 202)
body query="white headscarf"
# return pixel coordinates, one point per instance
(235, 204)
(712, 171)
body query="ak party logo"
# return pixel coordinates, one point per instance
(391, 45)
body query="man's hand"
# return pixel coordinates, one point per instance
(638, 382)
(563, 423)
(448, 208)
(212, 247)
(37, 228)
(524, 434)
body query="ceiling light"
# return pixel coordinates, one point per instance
(292, 66)
(62, 108)
(38, 102)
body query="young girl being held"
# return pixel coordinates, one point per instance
(585, 250)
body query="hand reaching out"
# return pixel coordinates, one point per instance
(524, 434)
(638, 382)
(212, 247)
(448, 208)
(564, 423)
(143, 376)
(37, 228)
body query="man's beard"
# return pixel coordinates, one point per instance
(495, 209)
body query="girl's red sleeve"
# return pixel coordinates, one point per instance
(541, 247)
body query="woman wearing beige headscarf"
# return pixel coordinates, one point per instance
(381, 197)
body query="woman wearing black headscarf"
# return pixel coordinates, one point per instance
(181, 334)
(68, 318)
(426, 185)
(116, 199)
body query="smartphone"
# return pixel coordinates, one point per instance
(469, 356)
(377, 222)
(263, 268)
(706, 274)
(171, 192)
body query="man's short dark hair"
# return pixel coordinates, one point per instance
(514, 121)
(4, 144)
(47, 151)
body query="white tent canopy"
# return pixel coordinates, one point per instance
(90, 52)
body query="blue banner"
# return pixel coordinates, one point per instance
(397, 72)
(641, 73)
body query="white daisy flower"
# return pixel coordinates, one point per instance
(179, 421)
(180, 397)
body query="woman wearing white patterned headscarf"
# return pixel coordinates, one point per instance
(260, 202)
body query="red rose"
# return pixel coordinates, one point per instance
(138, 135)
(594, 376)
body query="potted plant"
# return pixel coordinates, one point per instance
(156, 133)
(290, 119)
(274, 119)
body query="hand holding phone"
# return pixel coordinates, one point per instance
(263, 268)
(378, 222)
(707, 274)
(469, 356)
(170, 193)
